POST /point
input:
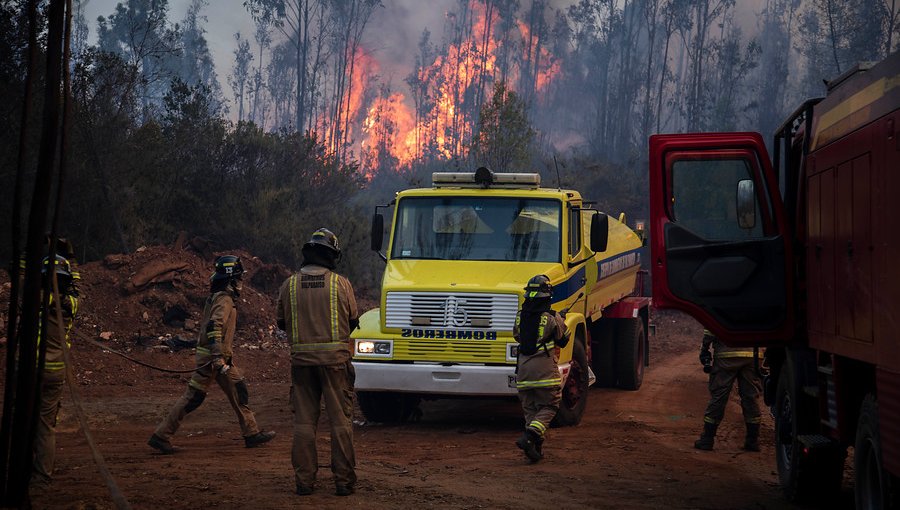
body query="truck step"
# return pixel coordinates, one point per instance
(811, 390)
(816, 441)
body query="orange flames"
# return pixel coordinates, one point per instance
(451, 88)
(337, 125)
(390, 128)
(548, 67)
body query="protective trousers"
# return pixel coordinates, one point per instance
(231, 382)
(538, 381)
(52, 383)
(540, 406)
(724, 372)
(310, 386)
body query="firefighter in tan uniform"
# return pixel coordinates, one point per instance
(317, 309)
(729, 364)
(540, 332)
(215, 361)
(54, 376)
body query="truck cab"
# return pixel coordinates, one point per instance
(458, 258)
(797, 254)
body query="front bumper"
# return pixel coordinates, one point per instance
(436, 378)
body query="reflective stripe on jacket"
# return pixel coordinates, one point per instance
(723, 351)
(316, 307)
(540, 370)
(55, 357)
(217, 325)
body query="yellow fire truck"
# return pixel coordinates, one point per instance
(458, 257)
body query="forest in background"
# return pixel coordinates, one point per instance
(303, 131)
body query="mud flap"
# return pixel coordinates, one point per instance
(591, 377)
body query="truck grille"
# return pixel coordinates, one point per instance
(446, 350)
(441, 310)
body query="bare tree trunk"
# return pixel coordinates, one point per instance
(300, 73)
(651, 10)
(829, 12)
(662, 76)
(621, 128)
(483, 53)
(892, 22)
(16, 487)
(302, 57)
(313, 86)
(15, 280)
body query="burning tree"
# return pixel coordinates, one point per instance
(488, 45)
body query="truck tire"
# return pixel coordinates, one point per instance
(630, 353)
(804, 475)
(873, 484)
(386, 407)
(603, 353)
(575, 391)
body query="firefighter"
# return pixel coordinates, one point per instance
(64, 248)
(540, 332)
(317, 309)
(54, 374)
(728, 364)
(215, 361)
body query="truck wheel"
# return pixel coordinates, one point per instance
(575, 392)
(386, 407)
(804, 474)
(630, 353)
(872, 482)
(603, 353)
(795, 482)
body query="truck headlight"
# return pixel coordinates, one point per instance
(374, 347)
(512, 352)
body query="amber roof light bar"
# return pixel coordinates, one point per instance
(485, 178)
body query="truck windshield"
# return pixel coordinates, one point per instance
(471, 228)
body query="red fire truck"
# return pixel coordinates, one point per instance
(799, 254)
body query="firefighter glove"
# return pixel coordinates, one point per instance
(218, 364)
(705, 358)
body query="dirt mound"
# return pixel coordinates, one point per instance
(160, 290)
(148, 304)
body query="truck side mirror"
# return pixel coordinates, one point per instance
(746, 204)
(599, 232)
(377, 231)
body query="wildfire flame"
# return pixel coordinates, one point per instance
(362, 76)
(455, 81)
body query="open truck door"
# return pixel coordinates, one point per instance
(720, 244)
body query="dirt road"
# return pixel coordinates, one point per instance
(632, 449)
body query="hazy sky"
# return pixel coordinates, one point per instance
(392, 36)
(394, 33)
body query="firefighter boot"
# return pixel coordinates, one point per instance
(528, 444)
(751, 442)
(163, 445)
(707, 438)
(258, 439)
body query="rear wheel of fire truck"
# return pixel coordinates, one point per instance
(873, 483)
(575, 392)
(802, 477)
(386, 406)
(630, 353)
(603, 352)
